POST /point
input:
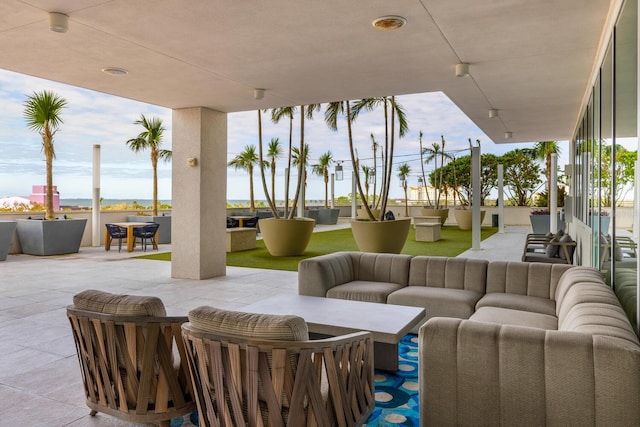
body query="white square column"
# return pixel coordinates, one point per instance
(199, 193)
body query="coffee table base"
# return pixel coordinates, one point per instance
(385, 356)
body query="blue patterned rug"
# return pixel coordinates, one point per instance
(397, 400)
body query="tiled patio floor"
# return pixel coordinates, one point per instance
(39, 375)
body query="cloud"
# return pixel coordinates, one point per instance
(96, 118)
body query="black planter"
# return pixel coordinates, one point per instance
(328, 216)
(50, 237)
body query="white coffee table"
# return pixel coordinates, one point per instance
(331, 317)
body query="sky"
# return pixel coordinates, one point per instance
(96, 118)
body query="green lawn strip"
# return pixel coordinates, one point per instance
(453, 242)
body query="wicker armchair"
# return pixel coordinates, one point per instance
(131, 363)
(278, 382)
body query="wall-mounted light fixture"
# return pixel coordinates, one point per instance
(508, 135)
(462, 69)
(58, 22)
(192, 161)
(115, 71)
(493, 113)
(258, 93)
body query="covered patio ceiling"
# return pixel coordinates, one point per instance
(530, 60)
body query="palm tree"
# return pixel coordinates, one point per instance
(366, 171)
(374, 147)
(301, 162)
(151, 138)
(245, 161)
(432, 154)
(544, 150)
(424, 179)
(274, 152)
(42, 113)
(331, 114)
(322, 169)
(278, 114)
(403, 173)
(392, 112)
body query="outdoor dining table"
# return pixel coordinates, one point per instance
(241, 219)
(130, 239)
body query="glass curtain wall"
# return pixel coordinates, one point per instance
(605, 160)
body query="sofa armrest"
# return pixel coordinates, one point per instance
(475, 373)
(319, 274)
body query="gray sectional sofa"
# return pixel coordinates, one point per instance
(505, 343)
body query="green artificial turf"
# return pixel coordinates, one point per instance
(453, 241)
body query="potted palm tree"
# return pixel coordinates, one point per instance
(42, 111)
(288, 235)
(151, 138)
(375, 234)
(326, 215)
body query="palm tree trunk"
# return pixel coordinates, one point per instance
(272, 206)
(286, 197)
(273, 179)
(301, 165)
(424, 179)
(354, 162)
(326, 188)
(154, 166)
(406, 201)
(252, 205)
(49, 189)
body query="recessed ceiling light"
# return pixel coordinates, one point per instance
(115, 71)
(389, 22)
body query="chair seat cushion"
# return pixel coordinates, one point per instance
(438, 302)
(518, 302)
(364, 290)
(250, 325)
(124, 305)
(542, 257)
(507, 316)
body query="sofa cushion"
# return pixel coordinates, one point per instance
(438, 302)
(124, 305)
(450, 273)
(521, 278)
(392, 268)
(551, 250)
(561, 253)
(518, 302)
(507, 316)
(251, 325)
(361, 290)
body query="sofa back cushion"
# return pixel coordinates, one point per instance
(452, 273)
(391, 268)
(535, 279)
(584, 303)
(124, 305)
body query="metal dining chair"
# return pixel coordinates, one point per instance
(146, 234)
(117, 232)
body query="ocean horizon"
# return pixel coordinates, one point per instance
(87, 203)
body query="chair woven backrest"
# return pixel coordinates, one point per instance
(115, 231)
(147, 231)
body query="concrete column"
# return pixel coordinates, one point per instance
(475, 200)
(500, 198)
(95, 203)
(333, 190)
(553, 195)
(199, 193)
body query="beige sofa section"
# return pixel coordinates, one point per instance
(506, 343)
